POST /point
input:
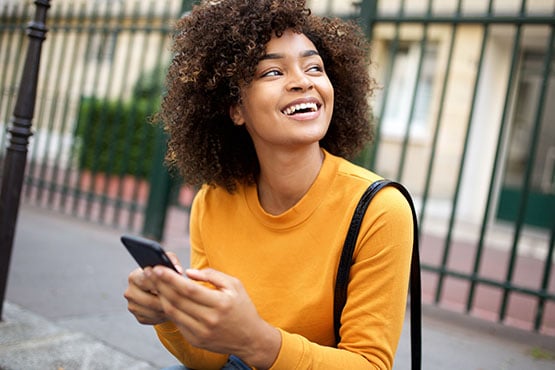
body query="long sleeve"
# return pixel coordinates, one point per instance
(373, 316)
(188, 355)
(170, 336)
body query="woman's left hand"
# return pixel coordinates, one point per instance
(220, 319)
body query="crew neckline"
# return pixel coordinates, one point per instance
(304, 207)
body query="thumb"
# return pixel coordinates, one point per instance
(216, 278)
(173, 258)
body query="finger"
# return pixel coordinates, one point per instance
(217, 278)
(138, 278)
(185, 316)
(184, 301)
(182, 292)
(173, 257)
(145, 306)
(142, 298)
(146, 315)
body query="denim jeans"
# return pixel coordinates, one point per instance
(233, 363)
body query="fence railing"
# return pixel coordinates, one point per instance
(462, 118)
(92, 151)
(486, 127)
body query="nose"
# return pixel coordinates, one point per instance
(299, 81)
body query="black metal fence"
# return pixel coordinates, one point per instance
(464, 119)
(92, 153)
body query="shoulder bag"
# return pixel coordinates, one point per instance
(342, 280)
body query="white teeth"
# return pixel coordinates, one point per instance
(291, 110)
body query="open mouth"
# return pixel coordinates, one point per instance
(300, 108)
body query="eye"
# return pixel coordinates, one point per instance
(271, 73)
(316, 68)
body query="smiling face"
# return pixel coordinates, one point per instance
(289, 103)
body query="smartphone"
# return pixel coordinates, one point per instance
(146, 252)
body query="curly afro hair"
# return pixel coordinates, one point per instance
(217, 47)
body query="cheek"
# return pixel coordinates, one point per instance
(264, 104)
(331, 90)
(330, 98)
(325, 88)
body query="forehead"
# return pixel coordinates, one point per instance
(289, 41)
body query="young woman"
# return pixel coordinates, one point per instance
(264, 102)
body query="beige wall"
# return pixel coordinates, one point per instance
(486, 116)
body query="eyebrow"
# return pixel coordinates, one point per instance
(304, 54)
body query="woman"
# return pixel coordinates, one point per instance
(264, 102)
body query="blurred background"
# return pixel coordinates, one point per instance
(464, 115)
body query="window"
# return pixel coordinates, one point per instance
(401, 89)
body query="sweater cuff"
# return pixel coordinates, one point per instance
(290, 353)
(167, 327)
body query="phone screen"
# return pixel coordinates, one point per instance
(146, 252)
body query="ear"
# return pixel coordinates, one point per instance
(236, 115)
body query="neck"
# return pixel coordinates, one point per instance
(286, 177)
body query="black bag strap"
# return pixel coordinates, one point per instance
(342, 280)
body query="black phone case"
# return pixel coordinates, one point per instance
(146, 252)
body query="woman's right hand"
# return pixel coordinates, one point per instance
(142, 298)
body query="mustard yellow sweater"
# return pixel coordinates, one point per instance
(288, 265)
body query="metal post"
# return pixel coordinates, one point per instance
(187, 5)
(159, 193)
(368, 16)
(16, 152)
(368, 13)
(161, 181)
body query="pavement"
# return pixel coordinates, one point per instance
(65, 309)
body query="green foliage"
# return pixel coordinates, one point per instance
(116, 137)
(363, 158)
(149, 86)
